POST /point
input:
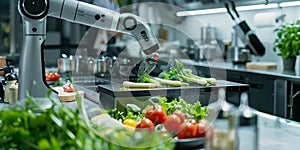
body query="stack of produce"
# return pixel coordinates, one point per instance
(171, 119)
(176, 77)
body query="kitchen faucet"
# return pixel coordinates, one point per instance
(35, 13)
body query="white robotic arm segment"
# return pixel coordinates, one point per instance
(84, 13)
(90, 15)
(35, 12)
(138, 28)
(98, 17)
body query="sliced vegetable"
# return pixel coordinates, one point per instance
(212, 81)
(187, 75)
(128, 84)
(145, 78)
(171, 83)
(194, 80)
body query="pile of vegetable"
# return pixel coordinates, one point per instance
(175, 118)
(175, 77)
(31, 127)
(180, 73)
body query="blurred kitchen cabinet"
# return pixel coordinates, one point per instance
(293, 102)
(10, 27)
(276, 95)
(261, 93)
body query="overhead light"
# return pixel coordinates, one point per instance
(239, 8)
(201, 12)
(288, 4)
(256, 7)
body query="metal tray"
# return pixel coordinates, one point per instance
(114, 89)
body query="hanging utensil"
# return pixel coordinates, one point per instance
(244, 32)
(233, 6)
(229, 12)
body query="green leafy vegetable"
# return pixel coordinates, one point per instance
(164, 75)
(196, 110)
(170, 75)
(287, 42)
(180, 74)
(32, 127)
(187, 75)
(144, 78)
(122, 115)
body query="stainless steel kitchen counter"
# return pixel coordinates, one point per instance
(275, 133)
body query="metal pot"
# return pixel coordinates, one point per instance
(124, 67)
(207, 34)
(84, 65)
(241, 55)
(104, 65)
(66, 64)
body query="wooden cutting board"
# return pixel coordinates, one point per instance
(261, 65)
(67, 96)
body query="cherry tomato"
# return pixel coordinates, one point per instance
(180, 114)
(172, 123)
(201, 128)
(68, 87)
(188, 130)
(156, 114)
(52, 76)
(145, 123)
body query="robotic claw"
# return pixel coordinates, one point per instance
(35, 13)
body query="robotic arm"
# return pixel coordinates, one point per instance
(35, 12)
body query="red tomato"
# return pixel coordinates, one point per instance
(180, 114)
(52, 76)
(145, 124)
(172, 123)
(201, 128)
(156, 114)
(188, 130)
(68, 87)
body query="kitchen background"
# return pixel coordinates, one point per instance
(63, 38)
